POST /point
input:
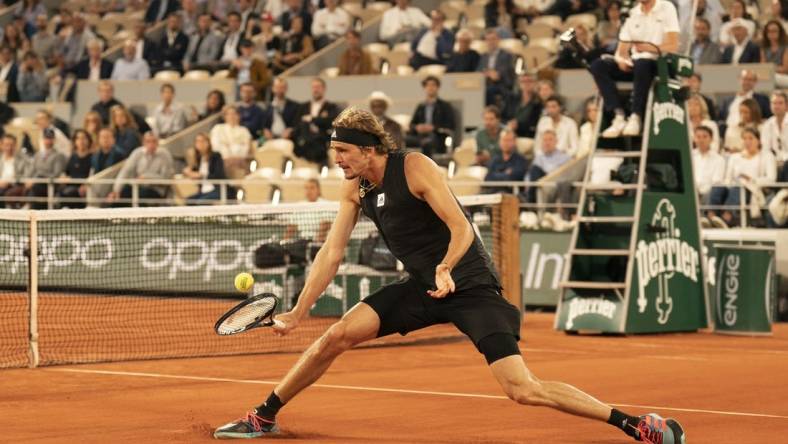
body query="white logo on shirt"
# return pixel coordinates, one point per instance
(381, 199)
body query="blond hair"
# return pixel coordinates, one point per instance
(363, 120)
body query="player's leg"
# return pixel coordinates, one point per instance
(521, 386)
(359, 324)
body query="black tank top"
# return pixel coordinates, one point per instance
(417, 236)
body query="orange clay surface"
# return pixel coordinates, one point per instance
(723, 390)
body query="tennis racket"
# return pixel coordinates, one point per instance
(253, 312)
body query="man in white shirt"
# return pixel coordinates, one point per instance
(129, 67)
(329, 24)
(230, 47)
(774, 132)
(652, 21)
(45, 121)
(402, 23)
(708, 166)
(564, 127)
(169, 117)
(145, 162)
(729, 107)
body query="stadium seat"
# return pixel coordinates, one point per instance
(553, 21)
(402, 47)
(120, 37)
(307, 172)
(467, 181)
(549, 43)
(404, 70)
(403, 120)
(354, 9)
(479, 46)
(513, 46)
(221, 74)
(197, 74)
(431, 70)
(300, 163)
(587, 19)
(452, 9)
(184, 188)
(106, 29)
(256, 189)
(525, 146)
(331, 188)
(285, 145)
(397, 58)
(330, 72)
(270, 158)
(474, 11)
(167, 75)
(464, 156)
(538, 30)
(534, 56)
(378, 52)
(379, 6)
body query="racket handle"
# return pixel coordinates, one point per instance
(279, 325)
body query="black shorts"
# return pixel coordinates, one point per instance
(478, 312)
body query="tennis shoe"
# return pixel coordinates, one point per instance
(654, 429)
(616, 127)
(250, 426)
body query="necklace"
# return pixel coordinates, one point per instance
(363, 190)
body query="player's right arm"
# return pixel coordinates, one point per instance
(328, 259)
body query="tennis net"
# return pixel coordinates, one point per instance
(149, 283)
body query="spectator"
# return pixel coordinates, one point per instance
(272, 8)
(652, 22)
(608, 29)
(694, 82)
(92, 125)
(234, 142)
(433, 45)
(245, 10)
(750, 117)
(107, 100)
(547, 160)
(129, 67)
(250, 70)
(774, 132)
(585, 141)
(173, 45)
(708, 166)
(207, 165)
(742, 49)
(295, 48)
(146, 49)
(159, 9)
(189, 16)
(108, 152)
(329, 24)
(214, 104)
(9, 72)
(355, 60)
(94, 67)
(232, 39)
(147, 162)
(698, 115)
(709, 10)
(32, 82)
(294, 9)
(402, 22)
(507, 165)
(565, 8)
(77, 167)
(221, 9)
(30, 10)
(432, 121)
(169, 117)
(43, 42)
(778, 10)
(729, 107)
(267, 42)
(73, 46)
(281, 114)
(204, 46)
(312, 191)
(379, 103)
(63, 21)
(15, 39)
(465, 59)
(564, 127)
(703, 50)
(497, 65)
(487, 136)
(44, 120)
(48, 163)
(570, 58)
(773, 50)
(751, 166)
(546, 89)
(127, 136)
(502, 16)
(737, 16)
(251, 114)
(14, 166)
(313, 131)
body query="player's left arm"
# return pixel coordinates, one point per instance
(426, 182)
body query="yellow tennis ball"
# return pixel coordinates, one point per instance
(243, 282)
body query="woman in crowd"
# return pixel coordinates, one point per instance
(234, 142)
(698, 115)
(295, 48)
(127, 136)
(750, 114)
(92, 124)
(206, 164)
(773, 44)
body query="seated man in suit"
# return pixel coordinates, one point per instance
(159, 9)
(313, 129)
(281, 114)
(173, 45)
(204, 46)
(498, 68)
(433, 45)
(743, 50)
(703, 50)
(432, 121)
(729, 106)
(94, 67)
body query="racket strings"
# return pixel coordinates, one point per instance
(247, 315)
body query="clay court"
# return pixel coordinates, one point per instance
(723, 389)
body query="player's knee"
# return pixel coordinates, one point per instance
(336, 339)
(526, 392)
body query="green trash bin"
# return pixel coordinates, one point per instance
(745, 289)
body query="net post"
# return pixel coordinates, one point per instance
(33, 290)
(508, 249)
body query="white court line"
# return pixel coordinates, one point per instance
(385, 390)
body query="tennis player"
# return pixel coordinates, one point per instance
(452, 279)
